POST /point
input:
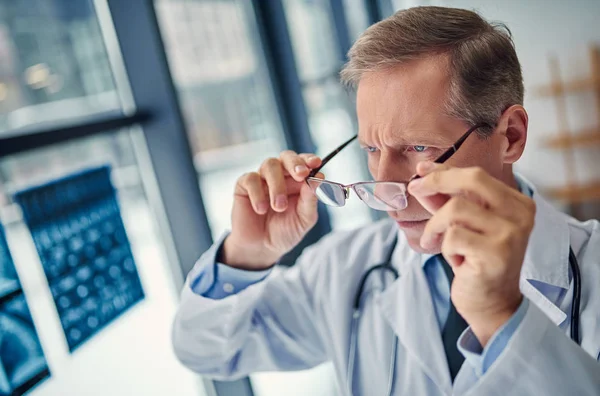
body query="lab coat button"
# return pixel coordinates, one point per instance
(228, 288)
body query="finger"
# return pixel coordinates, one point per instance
(298, 165)
(291, 186)
(312, 160)
(319, 175)
(463, 212)
(307, 207)
(426, 167)
(245, 187)
(252, 186)
(454, 181)
(460, 242)
(433, 203)
(294, 164)
(272, 172)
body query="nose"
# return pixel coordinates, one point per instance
(392, 168)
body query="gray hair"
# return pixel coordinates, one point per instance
(485, 74)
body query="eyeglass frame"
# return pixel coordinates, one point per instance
(346, 187)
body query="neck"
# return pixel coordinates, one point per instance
(508, 177)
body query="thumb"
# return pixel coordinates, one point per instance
(426, 167)
(306, 208)
(431, 202)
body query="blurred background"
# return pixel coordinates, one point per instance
(125, 123)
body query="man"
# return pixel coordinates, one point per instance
(482, 258)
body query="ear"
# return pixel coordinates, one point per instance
(513, 128)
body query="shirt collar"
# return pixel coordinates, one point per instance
(547, 256)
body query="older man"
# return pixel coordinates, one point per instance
(484, 288)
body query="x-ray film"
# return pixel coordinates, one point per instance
(77, 228)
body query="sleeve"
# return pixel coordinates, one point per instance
(216, 280)
(538, 360)
(482, 358)
(267, 326)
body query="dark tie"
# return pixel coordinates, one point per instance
(453, 328)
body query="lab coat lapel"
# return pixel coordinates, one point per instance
(547, 258)
(407, 306)
(556, 315)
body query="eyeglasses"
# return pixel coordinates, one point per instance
(378, 195)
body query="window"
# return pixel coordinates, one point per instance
(54, 66)
(331, 121)
(219, 69)
(357, 17)
(125, 352)
(53, 63)
(329, 106)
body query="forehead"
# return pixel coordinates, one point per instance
(406, 98)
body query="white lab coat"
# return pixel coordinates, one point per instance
(299, 318)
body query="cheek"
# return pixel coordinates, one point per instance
(484, 156)
(490, 160)
(415, 208)
(413, 160)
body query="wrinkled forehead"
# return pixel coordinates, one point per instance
(407, 98)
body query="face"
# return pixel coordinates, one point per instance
(402, 122)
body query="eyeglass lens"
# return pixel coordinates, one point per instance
(385, 196)
(382, 196)
(329, 193)
(377, 195)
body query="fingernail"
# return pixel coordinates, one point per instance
(262, 207)
(312, 158)
(300, 168)
(281, 201)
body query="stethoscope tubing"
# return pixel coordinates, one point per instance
(387, 266)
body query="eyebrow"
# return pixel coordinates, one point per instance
(414, 140)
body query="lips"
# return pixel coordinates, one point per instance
(411, 223)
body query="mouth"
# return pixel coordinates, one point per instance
(408, 224)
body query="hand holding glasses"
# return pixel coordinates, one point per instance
(378, 195)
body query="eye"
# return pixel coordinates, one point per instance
(419, 149)
(370, 149)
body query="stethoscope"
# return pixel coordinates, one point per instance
(386, 266)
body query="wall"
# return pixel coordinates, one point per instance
(541, 28)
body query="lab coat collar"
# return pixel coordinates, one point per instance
(546, 260)
(547, 256)
(407, 306)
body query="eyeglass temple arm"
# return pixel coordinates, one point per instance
(441, 159)
(331, 155)
(450, 152)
